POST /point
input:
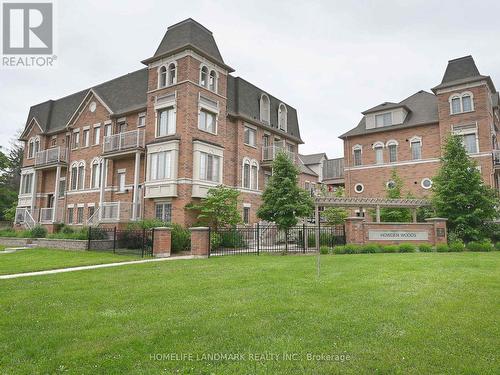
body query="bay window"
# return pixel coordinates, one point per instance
(26, 183)
(209, 167)
(207, 121)
(166, 122)
(160, 165)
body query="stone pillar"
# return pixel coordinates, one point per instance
(104, 176)
(414, 215)
(200, 241)
(378, 213)
(162, 242)
(440, 232)
(354, 230)
(34, 190)
(135, 199)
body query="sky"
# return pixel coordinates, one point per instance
(330, 60)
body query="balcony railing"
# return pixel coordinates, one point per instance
(269, 153)
(51, 155)
(47, 215)
(496, 158)
(124, 141)
(24, 217)
(333, 169)
(117, 211)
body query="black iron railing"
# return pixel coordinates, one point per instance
(121, 241)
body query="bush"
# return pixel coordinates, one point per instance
(425, 248)
(67, 230)
(479, 246)
(70, 234)
(390, 248)
(497, 246)
(352, 249)
(181, 238)
(324, 250)
(215, 240)
(407, 248)
(442, 248)
(232, 239)
(325, 239)
(38, 232)
(457, 246)
(339, 249)
(8, 233)
(147, 224)
(370, 249)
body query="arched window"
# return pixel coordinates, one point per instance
(416, 148)
(74, 176)
(81, 175)
(246, 173)
(204, 76)
(33, 146)
(172, 74)
(357, 151)
(264, 108)
(463, 102)
(282, 116)
(392, 146)
(95, 171)
(212, 82)
(162, 77)
(379, 152)
(254, 175)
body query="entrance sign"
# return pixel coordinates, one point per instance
(397, 235)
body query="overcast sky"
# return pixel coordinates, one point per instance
(328, 59)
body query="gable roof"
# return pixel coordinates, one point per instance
(121, 95)
(462, 70)
(188, 34)
(305, 169)
(243, 99)
(422, 109)
(312, 158)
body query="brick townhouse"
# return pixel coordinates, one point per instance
(145, 144)
(408, 136)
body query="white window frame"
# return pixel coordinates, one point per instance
(282, 125)
(165, 103)
(207, 113)
(472, 130)
(163, 204)
(153, 172)
(390, 143)
(413, 140)
(250, 129)
(424, 180)
(162, 73)
(141, 116)
(200, 147)
(96, 130)
(202, 67)
(362, 188)
(216, 80)
(96, 182)
(383, 116)
(376, 147)
(265, 111)
(33, 144)
(86, 139)
(460, 97)
(76, 144)
(122, 180)
(355, 148)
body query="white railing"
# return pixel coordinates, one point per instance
(47, 215)
(124, 141)
(269, 153)
(52, 155)
(118, 211)
(24, 217)
(94, 218)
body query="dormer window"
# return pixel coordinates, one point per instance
(264, 108)
(204, 76)
(172, 74)
(384, 119)
(212, 81)
(282, 117)
(461, 103)
(167, 76)
(163, 76)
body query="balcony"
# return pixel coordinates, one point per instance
(269, 153)
(496, 159)
(51, 157)
(113, 212)
(124, 143)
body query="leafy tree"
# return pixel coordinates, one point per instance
(10, 175)
(336, 215)
(395, 215)
(220, 208)
(283, 200)
(460, 195)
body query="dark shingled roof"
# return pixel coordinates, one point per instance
(381, 107)
(460, 71)
(305, 169)
(243, 99)
(121, 95)
(312, 158)
(422, 108)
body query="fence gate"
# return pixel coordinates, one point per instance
(121, 241)
(270, 239)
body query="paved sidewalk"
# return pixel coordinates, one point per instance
(81, 268)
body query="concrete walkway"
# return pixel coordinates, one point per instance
(82, 268)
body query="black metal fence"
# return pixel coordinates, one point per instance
(121, 241)
(270, 239)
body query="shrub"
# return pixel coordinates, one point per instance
(325, 239)
(324, 250)
(215, 240)
(370, 249)
(339, 249)
(457, 246)
(232, 239)
(147, 224)
(352, 249)
(67, 230)
(38, 232)
(81, 234)
(479, 246)
(442, 248)
(181, 238)
(407, 248)
(8, 233)
(425, 248)
(497, 246)
(390, 248)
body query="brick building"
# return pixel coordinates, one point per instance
(408, 136)
(145, 144)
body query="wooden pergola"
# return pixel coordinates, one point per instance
(376, 203)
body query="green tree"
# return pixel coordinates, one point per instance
(283, 200)
(395, 191)
(460, 195)
(10, 175)
(220, 208)
(335, 215)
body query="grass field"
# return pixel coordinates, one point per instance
(47, 259)
(389, 313)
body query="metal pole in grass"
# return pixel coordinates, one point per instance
(258, 239)
(114, 240)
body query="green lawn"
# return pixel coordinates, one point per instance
(418, 313)
(47, 259)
